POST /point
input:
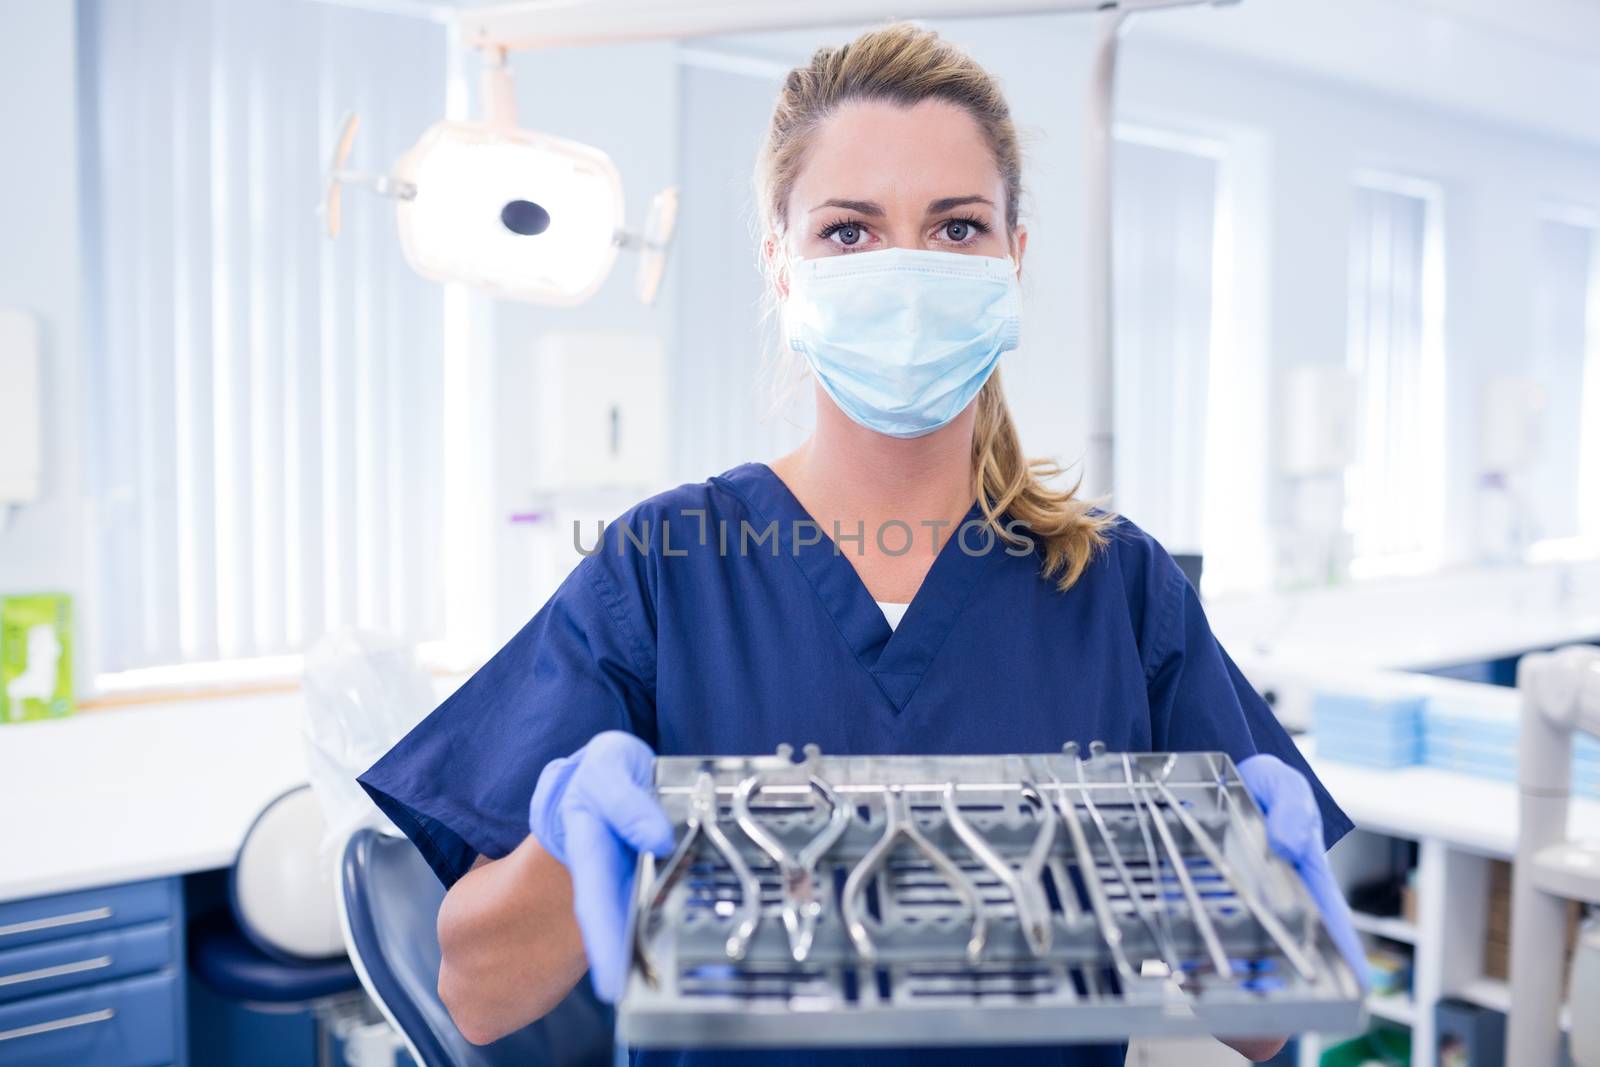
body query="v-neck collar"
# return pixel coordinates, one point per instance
(898, 658)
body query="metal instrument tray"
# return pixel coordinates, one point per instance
(957, 900)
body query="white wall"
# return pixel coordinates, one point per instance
(1495, 179)
(44, 547)
(725, 358)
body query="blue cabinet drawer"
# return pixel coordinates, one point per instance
(131, 1023)
(28, 922)
(76, 961)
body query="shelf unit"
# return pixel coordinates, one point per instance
(1459, 825)
(1386, 927)
(1496, 993)
(1447, 940)
(1393, 1007)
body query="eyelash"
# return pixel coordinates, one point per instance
(979, 228)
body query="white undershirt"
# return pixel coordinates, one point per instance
(893, 612)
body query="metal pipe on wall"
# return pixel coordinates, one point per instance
(1100, 461)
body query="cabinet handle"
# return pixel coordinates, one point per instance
(71, 1022)
(70, 919)
(57, 971)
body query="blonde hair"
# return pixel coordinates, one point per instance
(904, 64)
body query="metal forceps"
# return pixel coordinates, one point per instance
(900, 824)
(1025, 885)
(702, 822)
(1136, 898)
(1208, 848)
(801, 907)
(1066, 808)
(1197, 908)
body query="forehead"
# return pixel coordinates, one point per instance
(899, 156)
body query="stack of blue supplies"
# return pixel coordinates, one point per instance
(1462, 733)
(1370, 730)
(1480, 739)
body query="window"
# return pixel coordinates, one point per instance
(267, 405)
(1395, 489)
(1563, 493)
(1164, 244)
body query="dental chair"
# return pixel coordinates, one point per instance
(277, 949)
(389, 904)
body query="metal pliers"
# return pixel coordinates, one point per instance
(702, 823)
(801, 906)
(901, 824)
(1024, 885)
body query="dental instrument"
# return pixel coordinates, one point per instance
(801, 903)
(702, 825)
(1023, 883)
(949, 905)
(900, 823)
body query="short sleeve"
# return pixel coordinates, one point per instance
(458, 785)
(1199, 699)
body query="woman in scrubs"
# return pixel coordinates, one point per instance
(904, 582)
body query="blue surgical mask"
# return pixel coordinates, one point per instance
(902, 339)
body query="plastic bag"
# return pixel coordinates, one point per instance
(364, 691)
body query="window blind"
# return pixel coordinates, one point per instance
(1563, 363)
(1395, 338)
(1164, 221)
(265, 411)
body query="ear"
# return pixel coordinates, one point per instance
(777, 264)
(1019, 244)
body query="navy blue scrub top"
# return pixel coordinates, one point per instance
(706, 651)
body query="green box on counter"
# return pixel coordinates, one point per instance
(35, 657)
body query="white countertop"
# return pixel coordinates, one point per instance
(1439, 620)
(1417, 802)
(119, 795)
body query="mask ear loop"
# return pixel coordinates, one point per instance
(779, 262)
(781, 277)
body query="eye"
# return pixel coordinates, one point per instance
(846, 233)
(962, 230)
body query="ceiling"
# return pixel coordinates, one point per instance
(1532, 63)
(1529, 63)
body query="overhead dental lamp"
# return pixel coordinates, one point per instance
(519, 214)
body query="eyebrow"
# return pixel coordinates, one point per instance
(936, 206)
(874, 209)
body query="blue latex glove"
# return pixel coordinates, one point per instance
(595, 811)
(1294, 828)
